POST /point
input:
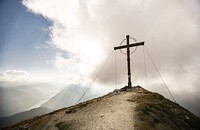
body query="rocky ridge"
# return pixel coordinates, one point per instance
(126, 108)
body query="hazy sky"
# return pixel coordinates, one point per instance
(66, 42)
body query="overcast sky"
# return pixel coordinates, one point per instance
(66, 42)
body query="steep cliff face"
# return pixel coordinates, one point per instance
(127, 108)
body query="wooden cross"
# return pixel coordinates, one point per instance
(128, 56)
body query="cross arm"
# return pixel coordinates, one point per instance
(131, 45)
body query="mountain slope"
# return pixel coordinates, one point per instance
(7, 121)
(134, 108)
(156, 112)
(17, 99)
(67, 97)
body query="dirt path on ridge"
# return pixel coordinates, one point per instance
(110, 113)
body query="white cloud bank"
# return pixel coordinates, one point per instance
(15, 76)
(89, 29)
(71, 32)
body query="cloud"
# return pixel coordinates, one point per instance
(15, 76)
(71, 31)
(61, 62)
(89, 30)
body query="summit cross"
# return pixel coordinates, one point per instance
(127, 46)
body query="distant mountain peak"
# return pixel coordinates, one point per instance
(125, 108)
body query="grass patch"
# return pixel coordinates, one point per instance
(62, 126)
(156, 112)
(68, 111)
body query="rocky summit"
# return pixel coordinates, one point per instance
(127, 108)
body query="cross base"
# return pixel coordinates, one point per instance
(129, 84)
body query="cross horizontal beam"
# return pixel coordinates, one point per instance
(131, 45)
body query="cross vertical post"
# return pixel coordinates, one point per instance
(127, 46)
(128, 62)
